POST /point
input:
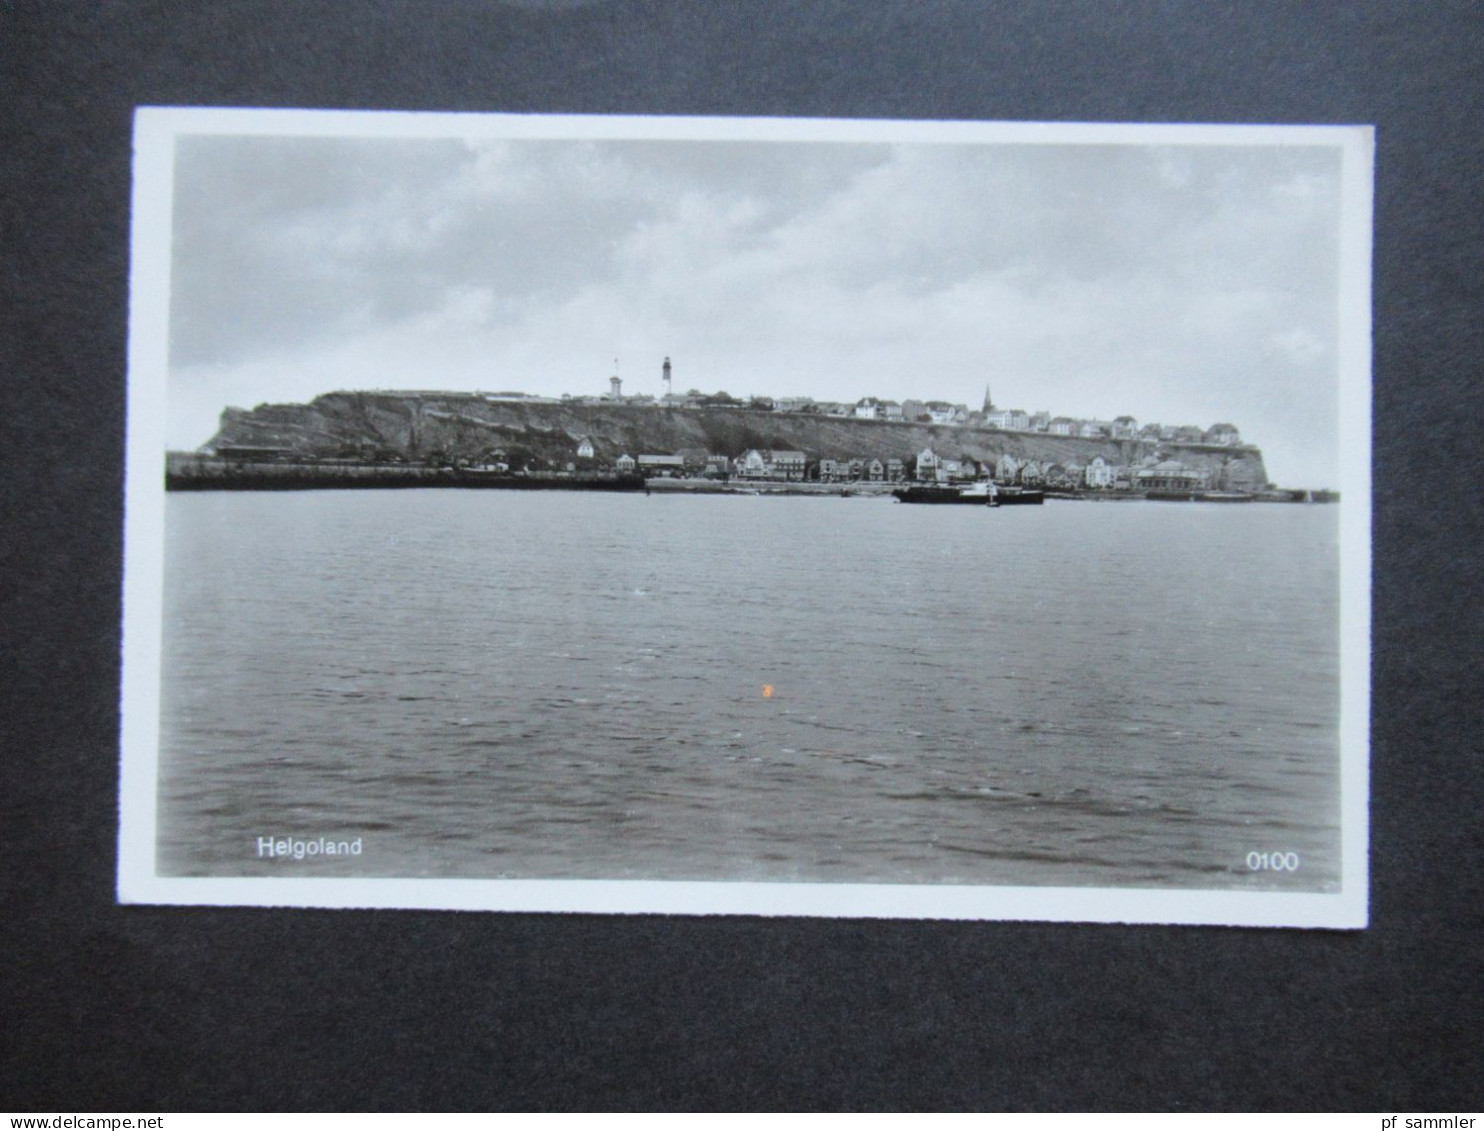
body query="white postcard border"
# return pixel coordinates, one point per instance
(156, 129)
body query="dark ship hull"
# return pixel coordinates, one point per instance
(1018, 498)
(975, 496)
(953, 496)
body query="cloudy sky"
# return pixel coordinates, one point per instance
(1176, 284)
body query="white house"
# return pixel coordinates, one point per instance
(1171, 475)
(927, 464)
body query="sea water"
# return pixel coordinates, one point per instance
(560, 684)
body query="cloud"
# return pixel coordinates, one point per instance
(1300, 345)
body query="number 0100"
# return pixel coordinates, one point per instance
(1273, 861)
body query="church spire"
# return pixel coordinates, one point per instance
(988, 401)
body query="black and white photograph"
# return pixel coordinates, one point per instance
(759, 516)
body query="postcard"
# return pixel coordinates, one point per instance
(862, 518)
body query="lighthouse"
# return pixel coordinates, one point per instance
(666, 371)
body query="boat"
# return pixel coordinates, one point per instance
(977, 494)
(1020, 497)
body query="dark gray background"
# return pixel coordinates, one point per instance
(159, 1009)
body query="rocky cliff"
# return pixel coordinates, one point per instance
(463, 426)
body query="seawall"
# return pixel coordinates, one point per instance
(186, 471)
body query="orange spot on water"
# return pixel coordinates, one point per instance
(767, 691)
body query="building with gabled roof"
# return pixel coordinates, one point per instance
(1099, 473)
(757, 464)
(1171, 475)
(927, 464)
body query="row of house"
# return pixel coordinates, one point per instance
(783, 466)
(861, 470)
(907, 411)
(867, 408)
(943, 412)
(910, 411)
(760, 465)
(754, 464)
(1008, 420)
(1153, 472)
(1120, 428)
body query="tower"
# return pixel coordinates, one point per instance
(615, 387)
(666, 372)
(988, 402)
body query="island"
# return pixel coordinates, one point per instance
(388, 438)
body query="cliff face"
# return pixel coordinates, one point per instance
(456, 426)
